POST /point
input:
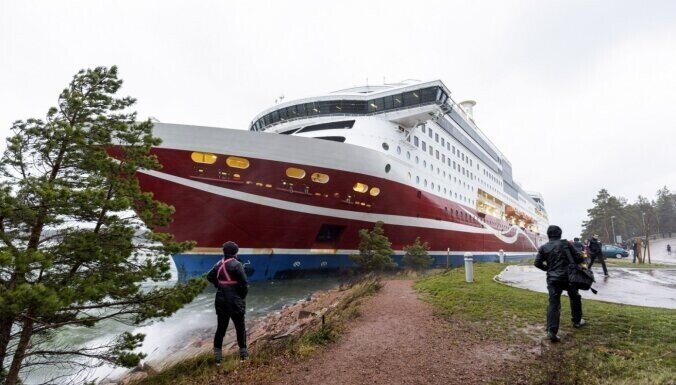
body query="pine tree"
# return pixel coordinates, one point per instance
(416, 256)
(665, 211)
(375, 250)
(76, 231)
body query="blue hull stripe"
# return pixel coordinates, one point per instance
(261, 267)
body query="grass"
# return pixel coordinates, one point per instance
(622, 344)
(269, 358)
(625, 262)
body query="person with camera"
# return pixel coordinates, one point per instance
(553, 257)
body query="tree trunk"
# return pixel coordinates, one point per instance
(24, 339)
(5, 331)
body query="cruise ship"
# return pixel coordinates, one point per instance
(296, 187)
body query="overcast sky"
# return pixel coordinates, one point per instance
(579, 95)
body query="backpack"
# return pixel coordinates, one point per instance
(579, 277)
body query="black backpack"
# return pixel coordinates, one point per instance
(579, 277)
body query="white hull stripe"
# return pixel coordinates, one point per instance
(498, 234)
(324, 211)
(271, 251)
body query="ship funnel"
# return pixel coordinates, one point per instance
(468, 106)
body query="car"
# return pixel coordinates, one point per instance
(610, 251)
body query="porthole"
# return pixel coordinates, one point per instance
(425, 163)
(409, 175)
(398, 150)
(297, 173)
(388, 168)
(360, 187)
(386, 146)
(237, 162)
(432, 185)
(417, 179)
(318, 177)
(425, 183)
(203, 157)
(374, 191)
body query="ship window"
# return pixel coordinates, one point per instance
(360, 187)
(203, 157)
(374, 191)
(237, 162)
(297, 173)
(388, 102)
(398, 100)
(388, 168)
(415, 141)
(408, 155)
(417, 179)
(417, 160)
(340, 139)
(411, 98)
(398, 150)
(386, 146)
(424, 146)
(318, 177)
(328, 126)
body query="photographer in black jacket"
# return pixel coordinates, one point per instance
(553, 259)
(230, 279)
(596, 252)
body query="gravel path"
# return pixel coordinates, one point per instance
(399, 340)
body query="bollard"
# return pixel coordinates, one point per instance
(501, 253)
(469, 267)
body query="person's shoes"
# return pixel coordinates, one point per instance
(553, 337)
(218, 356)
(243, 354)
(580, 324)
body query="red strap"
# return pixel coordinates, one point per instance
(227, 280)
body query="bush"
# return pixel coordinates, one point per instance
(416, 255)
(375, 250)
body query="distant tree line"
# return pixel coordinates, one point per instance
(630, 219)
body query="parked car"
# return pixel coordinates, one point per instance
(610, 251)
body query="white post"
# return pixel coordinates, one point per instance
(469, 267)
(501, 254)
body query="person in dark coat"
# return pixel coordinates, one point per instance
(579, 246)
(230, 280)
(552, 257)
(596, 251)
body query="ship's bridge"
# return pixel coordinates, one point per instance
(367, 100)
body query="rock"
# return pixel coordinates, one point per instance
(151, 368)
(302, 314)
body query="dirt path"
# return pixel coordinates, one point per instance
(399, 340)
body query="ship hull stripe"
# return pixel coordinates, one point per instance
(336, 213)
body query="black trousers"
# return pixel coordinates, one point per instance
(227, 309)
(555, 289)
(602, 260)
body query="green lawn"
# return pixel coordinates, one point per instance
(621, 345)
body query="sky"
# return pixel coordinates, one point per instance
(576, 94)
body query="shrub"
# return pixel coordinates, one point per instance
(416, 255)
(375, 250)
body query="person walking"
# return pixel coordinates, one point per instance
(579, 246)
(668, 249)
(552, 257)
(230, 280)
(596, 251)
(635, 249)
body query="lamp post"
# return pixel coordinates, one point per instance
(612, 224)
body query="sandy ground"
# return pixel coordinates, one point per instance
(399, 340)
(642, 287)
